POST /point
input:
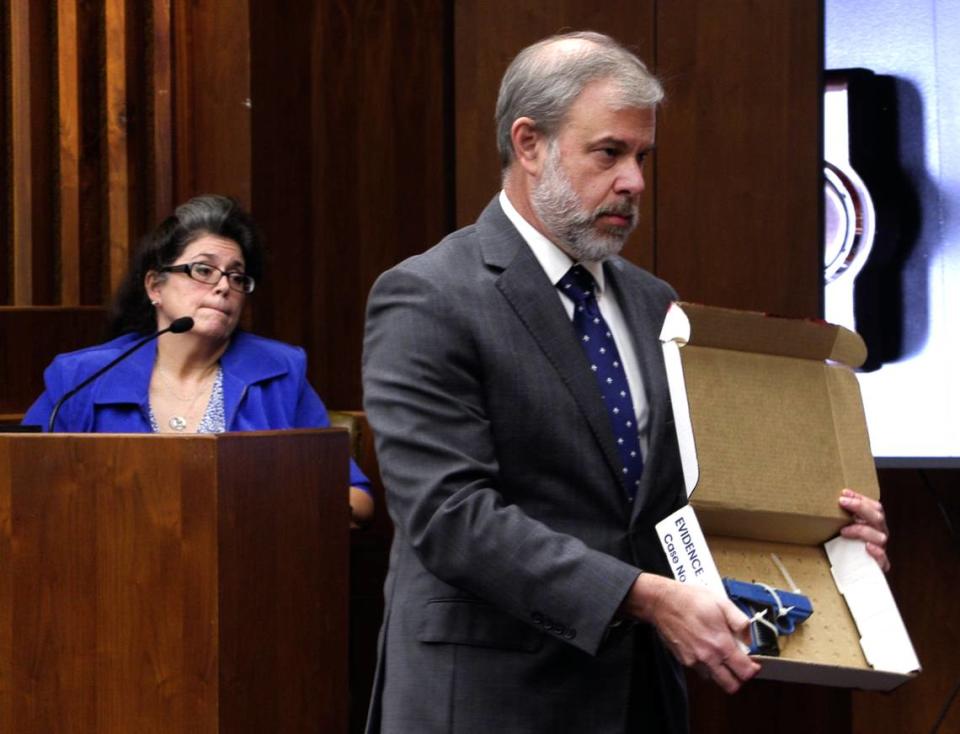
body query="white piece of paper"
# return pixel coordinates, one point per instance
(883, 636)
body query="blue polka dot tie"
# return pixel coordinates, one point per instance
(601, 350)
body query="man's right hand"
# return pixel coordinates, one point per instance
(700, 629)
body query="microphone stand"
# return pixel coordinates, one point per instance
(178, 326)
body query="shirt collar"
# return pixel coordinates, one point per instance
(554, 261)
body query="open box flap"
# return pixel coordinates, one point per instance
(751, 331)
(797, 418)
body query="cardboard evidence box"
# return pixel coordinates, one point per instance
(771, 428)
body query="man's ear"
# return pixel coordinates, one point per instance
(529, 145)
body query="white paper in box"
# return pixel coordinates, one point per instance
(883, 636)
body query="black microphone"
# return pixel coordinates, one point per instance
(178, 326)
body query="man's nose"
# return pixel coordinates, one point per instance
(630, 179)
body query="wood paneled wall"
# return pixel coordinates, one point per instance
(87, 140)
(922, 507)
(212, 106)
(738, 181)
(360, 133)
(332, 122)
(31, 337)
(351, 165)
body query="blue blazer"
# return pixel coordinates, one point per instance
(264, 388)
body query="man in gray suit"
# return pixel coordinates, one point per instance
(526, 439)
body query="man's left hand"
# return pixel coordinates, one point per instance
(869, 524)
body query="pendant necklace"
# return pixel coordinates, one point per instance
(178, 423)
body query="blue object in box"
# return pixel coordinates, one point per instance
(774, 612)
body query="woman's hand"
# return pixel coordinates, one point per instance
(361, 508)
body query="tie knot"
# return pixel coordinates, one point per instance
(577, 284)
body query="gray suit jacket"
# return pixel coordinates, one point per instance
(515, 540)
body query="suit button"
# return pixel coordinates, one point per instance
(537, 618)
(569, 634)
(560, 630)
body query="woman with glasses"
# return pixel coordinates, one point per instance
(204, 261)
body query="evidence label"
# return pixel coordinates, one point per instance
(686, 549)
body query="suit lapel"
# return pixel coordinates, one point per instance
(534, 299)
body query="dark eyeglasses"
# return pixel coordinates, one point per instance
(210, 274)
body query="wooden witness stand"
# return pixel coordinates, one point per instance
(174, 583)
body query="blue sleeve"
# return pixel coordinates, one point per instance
(39, 413)
(357, 478)
(311, 413)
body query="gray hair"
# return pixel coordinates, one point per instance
(542, 82)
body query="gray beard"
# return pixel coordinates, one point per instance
(558, 207)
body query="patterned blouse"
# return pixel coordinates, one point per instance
(214, 419)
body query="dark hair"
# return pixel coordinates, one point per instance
(202, 215)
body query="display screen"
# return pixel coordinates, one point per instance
(892, 260)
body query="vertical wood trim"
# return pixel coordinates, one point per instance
(7, 697)
(68, 76)
(218, 115)
(162, 110)
(118, 205)
(184, 173)
(21, 151)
